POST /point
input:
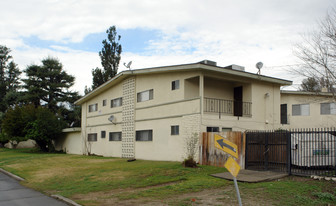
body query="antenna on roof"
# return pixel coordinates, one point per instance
(128, 66)
(259, 65)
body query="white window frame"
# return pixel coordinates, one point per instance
(104, 102)
(93, 107)
(145, 95)
(303, 110)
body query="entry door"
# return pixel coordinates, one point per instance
(238, 101)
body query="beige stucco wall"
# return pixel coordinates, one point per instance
(265, 109)
(315, 119)
(181, 107)
(70, 141)
(167, 108)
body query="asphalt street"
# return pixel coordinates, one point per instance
(14, 194)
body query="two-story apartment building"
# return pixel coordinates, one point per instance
(307, 109)
(149, 113)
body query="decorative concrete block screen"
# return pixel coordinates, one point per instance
(128, 125)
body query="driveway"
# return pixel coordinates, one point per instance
(14, 194)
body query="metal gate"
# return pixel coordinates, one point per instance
(268, 150)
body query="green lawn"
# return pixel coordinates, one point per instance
(92, 180)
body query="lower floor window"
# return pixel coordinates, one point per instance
(92, 137)
(115, 136)
(212, 129)
(144, 135)
(175, 130)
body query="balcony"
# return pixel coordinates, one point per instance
(227, 107)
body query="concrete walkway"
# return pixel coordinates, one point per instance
(252, 176)
(14, 194)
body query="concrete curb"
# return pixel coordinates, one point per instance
(59, 197)
(66, 200)
(12, 175)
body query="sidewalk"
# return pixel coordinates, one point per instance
(14, 194)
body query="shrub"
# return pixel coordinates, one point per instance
(28, 122)
(191, 150)
(44, 129)
(15, 121)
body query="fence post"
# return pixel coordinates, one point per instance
(246, 150)
(289, 152)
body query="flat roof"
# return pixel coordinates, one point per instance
(180, 68)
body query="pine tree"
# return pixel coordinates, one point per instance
(110, 58)
(9, 79)
(48, 84)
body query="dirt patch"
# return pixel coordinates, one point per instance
(44, 174)
(110, 197)
(110, 176)
(211, 197)
(95, 161)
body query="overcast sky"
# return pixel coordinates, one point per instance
(158, 33)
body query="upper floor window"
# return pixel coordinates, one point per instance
(144, 135)
(92, 137)
(300, 109)
(145, 95)
(175, 84)
(104, 102)
(116, 102)
(93, 107)
(328, 108)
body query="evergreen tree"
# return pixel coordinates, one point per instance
(48, 84)
(9, 80)
(110, 58)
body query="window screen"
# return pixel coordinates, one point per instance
(145, 96)
(300, 110)
(175, 84)
(328, 108)
(115, 136)
(93, 107)
(92, 137)
(144, 135)
(116, 102)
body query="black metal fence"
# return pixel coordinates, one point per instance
(297, 151)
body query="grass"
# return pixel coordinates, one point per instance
(84, 178)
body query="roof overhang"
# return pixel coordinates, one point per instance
(180, 68)
(327, 94)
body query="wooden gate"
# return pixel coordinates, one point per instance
(209, 155)
(268, 150)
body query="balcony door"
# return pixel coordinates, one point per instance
(238, 101)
